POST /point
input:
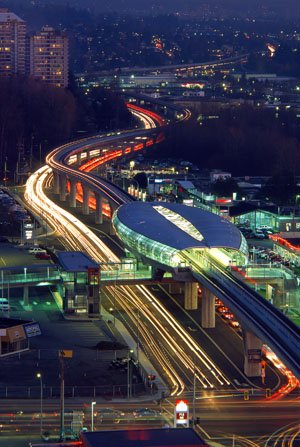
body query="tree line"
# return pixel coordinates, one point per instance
(242, 140)
(35, 117)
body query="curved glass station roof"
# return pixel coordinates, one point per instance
(160, 230)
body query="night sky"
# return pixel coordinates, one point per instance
(286, 7)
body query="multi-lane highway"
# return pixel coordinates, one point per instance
(219, 418)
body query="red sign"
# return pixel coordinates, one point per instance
(181, 416)
(181, 402)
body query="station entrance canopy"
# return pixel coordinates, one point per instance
(159, 231)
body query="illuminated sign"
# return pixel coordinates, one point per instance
(223, 200)
(32, 329)
(65, 353)
(181, 413)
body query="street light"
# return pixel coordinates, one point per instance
(39, 376)
(130, 351)
(92, 413)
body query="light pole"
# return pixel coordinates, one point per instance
(92, 414)
(130, 351)
(138, 339)
(39, 376)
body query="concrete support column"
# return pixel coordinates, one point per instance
(72, 193)
(63, 187)
(98, 213)
(88, 155)
(269, 290)
(190, 296)
(252, 354)
(208, 315)
(112, 231)
(25, 296)
(113, 208)
(78, 158)
(85, 205)
(56, 182)
(277, 298)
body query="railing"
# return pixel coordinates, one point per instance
(106, 391)
(56, 275)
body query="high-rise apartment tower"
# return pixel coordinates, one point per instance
(12, 44)
(49, 56)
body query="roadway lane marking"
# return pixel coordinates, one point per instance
(209, 337)
(3, 260)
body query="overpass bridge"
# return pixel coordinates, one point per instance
(189, 67)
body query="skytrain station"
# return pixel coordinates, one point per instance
(160, 231)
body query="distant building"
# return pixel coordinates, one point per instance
(217, 174)
(49, 56)
(12, 44)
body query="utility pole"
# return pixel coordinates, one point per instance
(194, 394)
(63, 354)
(138, 340)
(62, 395)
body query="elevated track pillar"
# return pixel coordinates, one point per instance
(78, 158)
(208, 316)
(190, 296)
(86, 196)
(72, 194)
(62, 187)
(98, 213)
(252, 354)
(56, 182)
(25, 295)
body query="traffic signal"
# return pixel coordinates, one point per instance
(151, 378)
(268, 392)
(246, 395)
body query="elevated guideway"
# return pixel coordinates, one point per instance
(253, 311)
(66, 160)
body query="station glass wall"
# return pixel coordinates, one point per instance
(151, 249)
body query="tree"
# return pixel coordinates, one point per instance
(225, 187)
(141, 179)
(282, 188)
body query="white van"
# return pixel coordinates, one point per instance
(37, 250)
(4, 305)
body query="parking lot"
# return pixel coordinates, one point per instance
(15, 255)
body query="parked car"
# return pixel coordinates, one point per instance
(43, 256)
(36, 250)
(258, 234)
(4, 304)
(3, 239)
